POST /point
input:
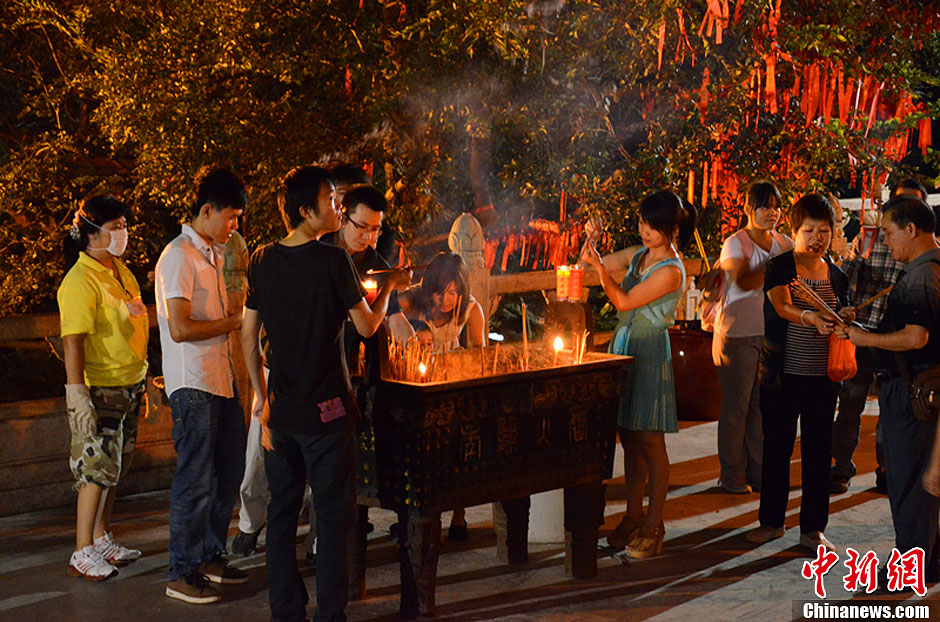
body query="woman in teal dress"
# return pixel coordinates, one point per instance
(646, 302)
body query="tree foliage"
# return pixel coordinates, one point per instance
(603, 99)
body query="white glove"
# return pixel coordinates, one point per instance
(82, 416)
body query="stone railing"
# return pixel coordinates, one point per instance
(34, 469)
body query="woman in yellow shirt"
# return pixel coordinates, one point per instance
(104, 331)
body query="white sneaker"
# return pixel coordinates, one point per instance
(89, 564)
(114, 553)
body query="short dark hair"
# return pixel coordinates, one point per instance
(904, 210)
(815, 206)
(218, 186)
(349, 174)
(665, 212)
(760, 192)
(363, 194)
(911, 184)
(88, 219)
(301, 188)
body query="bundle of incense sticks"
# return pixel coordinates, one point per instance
(580, 346)
(525, 338)
(880, 294)
(806, 293)
(405, 360)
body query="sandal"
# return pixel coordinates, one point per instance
(650, 545)
(623, 534)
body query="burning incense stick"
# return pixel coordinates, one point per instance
(496, 358)
(525, 338)
(371, 271)
(877, 296)
(407, 359)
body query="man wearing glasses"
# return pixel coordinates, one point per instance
(364, 209)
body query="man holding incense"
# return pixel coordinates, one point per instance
(364, 209)
(908, 342)
(871, 267)
(302, 291)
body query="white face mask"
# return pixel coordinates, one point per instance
(118, 242)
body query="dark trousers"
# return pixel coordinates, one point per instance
(852, 398)
(812, 401)
(907, 445)
(328, 463)
(209, 439)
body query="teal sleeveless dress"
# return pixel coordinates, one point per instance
(648, 402)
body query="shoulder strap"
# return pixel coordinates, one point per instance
(747, 244)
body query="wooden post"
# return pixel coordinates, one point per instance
(418, 549)
(584, 514)
(511, 523)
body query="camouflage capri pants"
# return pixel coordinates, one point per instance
(97, 459)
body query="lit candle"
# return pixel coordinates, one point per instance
(372, 290)
(562, 274)
(422, 369)
(559, 344)
(575, 279)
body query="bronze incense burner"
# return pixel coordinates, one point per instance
(427, 447)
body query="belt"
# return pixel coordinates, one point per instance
(884, 376)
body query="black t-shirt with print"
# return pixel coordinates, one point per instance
(303, 295)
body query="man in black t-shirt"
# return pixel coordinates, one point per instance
(910, 331)
(302, 291)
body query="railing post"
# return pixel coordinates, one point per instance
(466, 239)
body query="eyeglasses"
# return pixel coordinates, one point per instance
(364, 228)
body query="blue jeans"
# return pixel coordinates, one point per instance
(209, 439)
(328, 462)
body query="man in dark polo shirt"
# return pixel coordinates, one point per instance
(910, 329)
(364, 210)
(302, 291)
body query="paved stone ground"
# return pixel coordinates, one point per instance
(707, 572)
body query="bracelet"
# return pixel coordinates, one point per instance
(804, 312)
